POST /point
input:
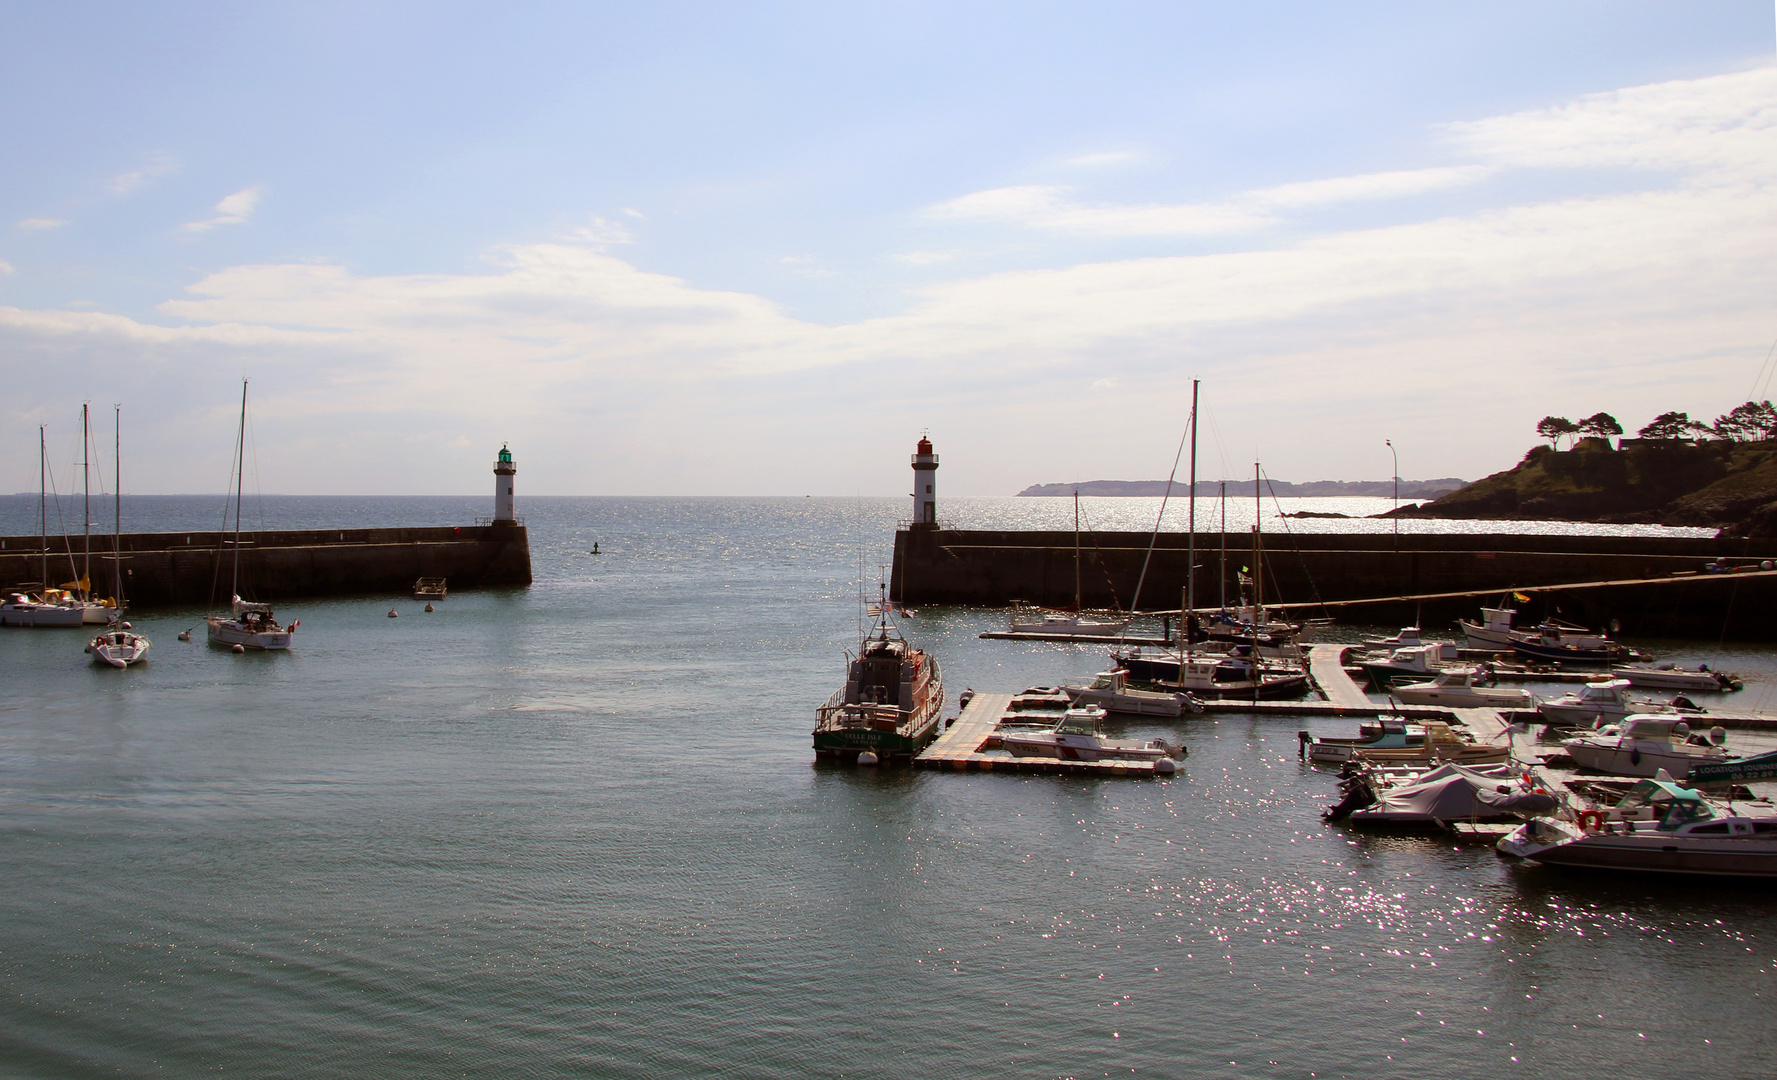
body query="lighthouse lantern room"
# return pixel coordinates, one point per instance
(925, 483)
(504, 470)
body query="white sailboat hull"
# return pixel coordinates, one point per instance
(41, 615)
(229, 632)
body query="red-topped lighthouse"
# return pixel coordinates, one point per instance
(925, 482)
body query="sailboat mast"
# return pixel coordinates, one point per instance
(1191, 539)
(240, 467)
(43, 504)
(1223, 575)
(117, 509)
(86, 503)
(1076, 551)
(1258, 563)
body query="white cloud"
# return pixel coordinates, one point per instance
(5, 267)
(154, 166)
(1382, 185)
(1631, 301)
(41, 224)
(600, 231)
(1113, 157)
(233, 209)
(1049, 206)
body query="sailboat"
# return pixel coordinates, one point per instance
(250, 626)
(1030, 620)
(119, 645)
(49, 607)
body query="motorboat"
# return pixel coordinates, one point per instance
(1657, 827)
(1110, 691)
(1079, 736)
(1604, 700)
(1415, 663)
(248, 625)
(430, 588)
(1464, 688)
(891, 703)
(1441, 743)
(1557, 643)
(1672, 677)
(1384, 733)
(1449, 793)
(1493, 632)
(1237, 676)
(119, 646)
(1642, 745)
(1409, 635)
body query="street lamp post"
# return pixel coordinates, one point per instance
(1397, 489)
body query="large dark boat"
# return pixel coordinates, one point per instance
(891, 703)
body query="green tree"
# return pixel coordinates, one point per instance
(1746, 423)
(1667, 425)
(1603, 425)
(1556, 428)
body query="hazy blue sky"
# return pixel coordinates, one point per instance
(756, 249)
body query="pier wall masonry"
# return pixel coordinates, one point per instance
(950, 566)
(193, 568)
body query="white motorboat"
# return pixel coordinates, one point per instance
(1413, 663)
(1384, 733)
(1642, 745)
(1079, 736)
(1409, 635)
(1672, 677)
(249, 625)
(1110, 691)
(119, 646)
(1605, 700)
(1464, 688)
(1658, 827)
(1452, 792)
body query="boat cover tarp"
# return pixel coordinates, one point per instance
(1459, 792)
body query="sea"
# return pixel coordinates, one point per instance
(577, 830)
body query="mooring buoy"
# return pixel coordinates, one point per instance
(184, 635)
(393, 614)
(238, 649)
(428, 607)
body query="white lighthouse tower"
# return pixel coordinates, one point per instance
(504, 470)
(925, 483)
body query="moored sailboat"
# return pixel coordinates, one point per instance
(247, 625)
(119, 645)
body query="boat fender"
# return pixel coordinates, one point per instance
(1591, 821)
(238, 649)
(867, 758)
(1635, 756)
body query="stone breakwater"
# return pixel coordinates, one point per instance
(1675, 597)
(191, 568)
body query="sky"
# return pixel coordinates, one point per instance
(719, 249)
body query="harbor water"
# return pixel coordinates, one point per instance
(577, 830)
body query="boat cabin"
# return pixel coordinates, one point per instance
(1672, 806)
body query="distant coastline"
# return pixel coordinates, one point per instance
(1313, 489)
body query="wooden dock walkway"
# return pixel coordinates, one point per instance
(1326, 664)
(958, 749)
